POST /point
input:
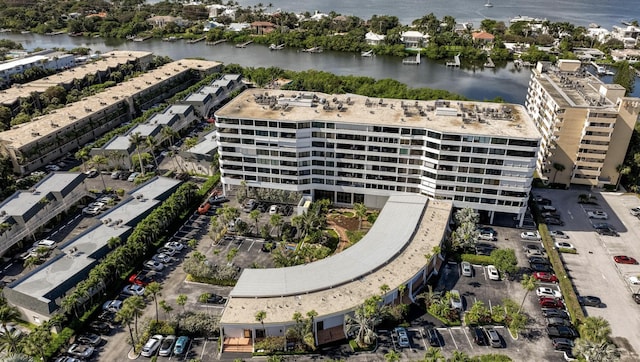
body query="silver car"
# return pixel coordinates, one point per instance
(467, 269)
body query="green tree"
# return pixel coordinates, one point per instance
(361, 211)
(10, 340)
(36, 343)
(596, 351)
(99, 161)
(392, 356)
(167, 308)
(153, 290)
(459, 356)
(137, 141)
(182, 301)
(595, 329)
(260, 316)
(364, 320)
(152, 143)
(558, 167)
(433, 354)
(625, 76)
(125, 316)
(83, 156)
(505, 260)
(528, 282)
(136, 305)
(255, 216)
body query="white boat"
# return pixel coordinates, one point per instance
(367, 53)
(488, 4)
(313, 50)
(276, 47)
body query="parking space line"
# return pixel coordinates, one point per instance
(466, 335)
(453, 339)
(204, 347)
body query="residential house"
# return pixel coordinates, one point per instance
(374, 39)
(161, 21)
(262, 27)
(482, 37)
(414, 39)
(630, 55)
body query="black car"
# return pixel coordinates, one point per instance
(562, 332)
(484, 251)
(479, 337)
(558, 321)
(100, 327)
(537, 267)
(538, 260)
(553, 221)
(607, 231)
(590, 301)
(217, 200)
(432, 336)
(562, 344)
(216, 299)
(124, 175)
(555, 313)
(636, 298)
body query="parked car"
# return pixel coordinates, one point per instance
(564, 245)
(90, 339)
(46, 243)
(217, 200)
(167, 251)
(132, 176)
(530, 235)
(550, 220)
(493, 273)
(166, 347)
(153, 265)
(175, 245)
(545, 277)
(479, 337)
(162, 258)
(456, 299)
(81, 351)
(92, 173)
(607, 230)
(403, 337)
(555, 313)
(623, 259)
(590, 301)
(181, 345)
(133, 289)
(537, 267)
(91, 210)
(250, 205)
(467, 269)
(562, 332)
(528, 248)
(550, 303)
(112, 305)
(635, 211)
(636, 297)
(562, 344)
(597, 214)
(487, 236)
(432, 336)
(124, 175)
(67, 359)
(142, 278)
(548, 292)
(100, 327)
(151, 347)
(216, 299)
(115, 175)
(558, 322)
(558, 234)
(494, 338)
(538, 260)
(202, 209)
(273, 209)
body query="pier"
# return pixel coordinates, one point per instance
(412, 60)
(216, 42)
(142, 38)
(489, 63)
(276, 47)
(456, 61)
(193, 41)
(313, 50)
(244, 45)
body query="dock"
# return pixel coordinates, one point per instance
(216, 42)
(276, 47)
(489, 63)
(601, 69)
(142, 38)
(193, 41)
(456, 61)
(412, 60)
(244, 45)
(313, 50)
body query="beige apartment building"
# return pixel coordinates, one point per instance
(585, 124)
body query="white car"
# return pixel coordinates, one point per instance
(548, 292)
(153, 265)
(174, 245)
(530, 235)
(487, 236)
(634, 280)
(493, 272)
(49, 244)
(564, 245)
(91, 210)
(597, 215)
(162, 258)
(558, 234)
(112, 305)
(456, 300)
(99, 205)
(273, 209)
(133, 289)
(151, 346)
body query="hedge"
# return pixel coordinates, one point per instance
(208, 185)
(477, 259)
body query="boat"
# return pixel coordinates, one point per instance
(313, 50)
(488, 4)
(368, 53)
(276, 47)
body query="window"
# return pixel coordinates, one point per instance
(343, 197)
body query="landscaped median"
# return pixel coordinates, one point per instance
(566, 286)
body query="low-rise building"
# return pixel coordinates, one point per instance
(630, 55)
(374, 39)
(414, 39)
(203, 154)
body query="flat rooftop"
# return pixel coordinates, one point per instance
(391, 253)
(463, 117)
(575, 89)
(106, 61)
(41, 127)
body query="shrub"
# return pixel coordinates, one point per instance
(567, 250)
(270, 344)
(59, 340)
(477, 259)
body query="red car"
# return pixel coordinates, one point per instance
(141, 279)
(623, 259)
(550, 303)
(545, 277)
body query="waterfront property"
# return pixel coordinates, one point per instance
(407, 229)
(585, 124)
(46, 138)
(44, 60)
(25, 213)
(210, 97)
(39, 294)
(350, 149)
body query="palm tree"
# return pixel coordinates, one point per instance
(596, 352)
(255, 216)
(433, 354)
(595, 329)
(152, 143)
(36, 343)
(137, 140)
(83, 156)
(392, 356)
(622, 170)
(559, 168)
(99, 161)
(276, 222)
(113, 242)
(528, 282)
(136, 305)
(9, 314)
(18, 357)
(167, 308)
(361, 212)
(459, 356)
(153, 290)
(182, 300)
(362, 324)
(125, 316)
(260, 316)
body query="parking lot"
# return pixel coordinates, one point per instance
(593, 269)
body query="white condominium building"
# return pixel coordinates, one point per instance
(585, 124)
(350, 148)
